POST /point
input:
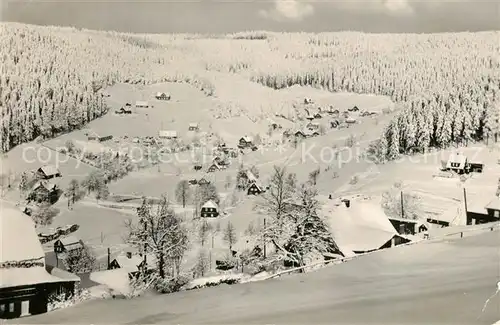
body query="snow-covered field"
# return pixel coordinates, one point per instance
(448, 282)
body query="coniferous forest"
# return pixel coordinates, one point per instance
(447, 85)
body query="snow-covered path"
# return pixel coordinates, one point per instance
(445, 283)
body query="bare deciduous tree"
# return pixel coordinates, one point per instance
(230, 234)
(81, 260)
(160, 232)
(183, 193)
(203, 232)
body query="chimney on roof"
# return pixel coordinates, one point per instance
(129, 254)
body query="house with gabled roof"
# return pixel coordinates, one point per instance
(409, 226)
(210, 209)
(457, 162)
(255, 188)
(141, 104)
(67, 244)
(479, 214)
(26, 282)
(43, 191)
(359, 226)
(48, 172)
(167, 134)
(245, 142)
(94, 136)
(214, 167)
(133, 263)
(162, 96)
(194, 126)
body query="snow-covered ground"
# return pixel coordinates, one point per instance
(440, 282)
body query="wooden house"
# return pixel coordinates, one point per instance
(489, 213)
(360, 226)
(255, 189)
(203, 181)
(133, 263)
(26, 282)
(162, 96)
(67, 244)
(48, 172)
(43, 191)
(194, 126)
(245, 142)
(457, 162)
(141, 104)
(475, 167)
(209, 210)
(167, 134)
(93, 136)
(214, 167)
(312, 126)
(409, 226)
(197, 167)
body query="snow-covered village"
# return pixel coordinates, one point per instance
(249, 177)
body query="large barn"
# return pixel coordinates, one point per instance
(26, 282)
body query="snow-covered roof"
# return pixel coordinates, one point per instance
(247, 138)
(116, 279)
(47, 185)
(457, 158)
(130, 264)
(69, 240)
(22, 276)
(250, 176)
(494, 204)
(193, 125)
(159, 94)
(362, 227)
(19, 240)
(141, 103)
(210, 204)
(49, 170)
(167, 134)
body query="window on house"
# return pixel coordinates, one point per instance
(2, 309)
(11, 307)
(497, 214)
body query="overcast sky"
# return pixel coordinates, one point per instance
(216, 16)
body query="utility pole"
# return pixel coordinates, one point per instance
(109, 257)
(402, 206)
(465, 205)
(264, 237)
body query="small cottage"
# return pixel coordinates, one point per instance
(255, 189)
(245, 142)
(162, 96)
(312, 126)
(43, 191)
(67, 244)
(318, 116)
(132, 263)
(457, 162)
(203, 181)
(166, 134)
(197, 167)
(141, 104)
(48, 172)
(194, 126)
(210, 210)
(93, 136)
(214, 167)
